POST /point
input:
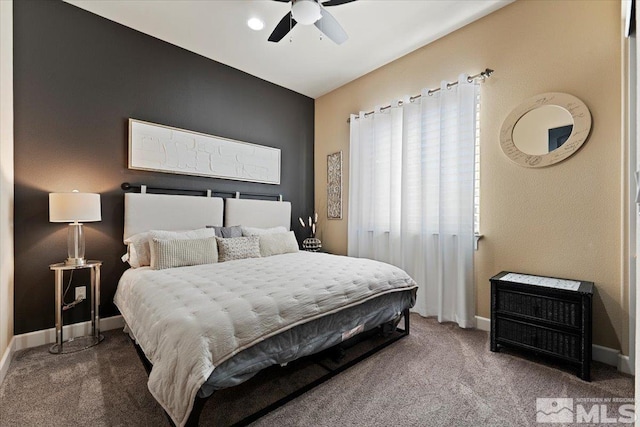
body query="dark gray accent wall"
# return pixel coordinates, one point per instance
(77, 79)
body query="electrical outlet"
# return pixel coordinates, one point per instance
(81, 293)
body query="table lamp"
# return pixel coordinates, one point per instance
(73, 208)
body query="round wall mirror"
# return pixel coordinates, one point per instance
(545, 129)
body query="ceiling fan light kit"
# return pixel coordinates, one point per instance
(308, 12)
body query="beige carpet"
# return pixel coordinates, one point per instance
(440, 375)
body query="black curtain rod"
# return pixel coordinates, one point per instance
(236, 194)
(483, 75)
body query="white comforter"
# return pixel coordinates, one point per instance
(188, 320)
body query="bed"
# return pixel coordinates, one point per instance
(205, 327)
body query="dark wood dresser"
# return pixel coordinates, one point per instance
(546, 315)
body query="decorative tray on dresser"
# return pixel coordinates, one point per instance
(546, 315)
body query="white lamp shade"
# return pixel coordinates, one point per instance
(74, 207)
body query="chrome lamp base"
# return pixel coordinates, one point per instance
(75, 245)
(75, 261)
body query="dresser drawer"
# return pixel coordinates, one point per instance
(543, 314)
(539, 307)
(556, 342)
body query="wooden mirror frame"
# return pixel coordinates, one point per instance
(581, 128)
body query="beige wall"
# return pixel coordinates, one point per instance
(564, 220)
(6, 175)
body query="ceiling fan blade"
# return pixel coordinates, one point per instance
(285, 25)
(330, 27)
(285, 1)
(336, 2)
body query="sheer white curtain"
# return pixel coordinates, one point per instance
(411, 195)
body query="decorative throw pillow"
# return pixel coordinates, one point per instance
(227, 232)
(276, 244)
(182, 252)
(238, 248)
(140, 252)
(254, 231)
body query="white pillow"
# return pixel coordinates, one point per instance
(278, 243)
(139, 251)
(182, 252)
(238, 248)
(254, 231)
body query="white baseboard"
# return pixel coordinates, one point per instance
(48, 336)
(599, 353)
(605, 355)
(5, 361)
(625, 365)
(483, 323)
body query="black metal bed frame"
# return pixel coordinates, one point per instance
(199, 403)
(236, 194)
(331, 372)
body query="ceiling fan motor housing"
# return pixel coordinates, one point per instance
(308, 12)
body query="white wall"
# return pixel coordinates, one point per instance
(6, 179)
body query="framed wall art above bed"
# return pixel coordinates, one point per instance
(159, 148)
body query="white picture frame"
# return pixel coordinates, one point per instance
(160, 148)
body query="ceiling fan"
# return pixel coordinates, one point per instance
(307, 12)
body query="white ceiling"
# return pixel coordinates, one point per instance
(380, 31)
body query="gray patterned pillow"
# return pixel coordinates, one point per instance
(238, 248)
(182, 252)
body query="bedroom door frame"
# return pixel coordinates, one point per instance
(630, 15)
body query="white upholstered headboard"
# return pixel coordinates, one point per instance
(257, 213)
(144, 212)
